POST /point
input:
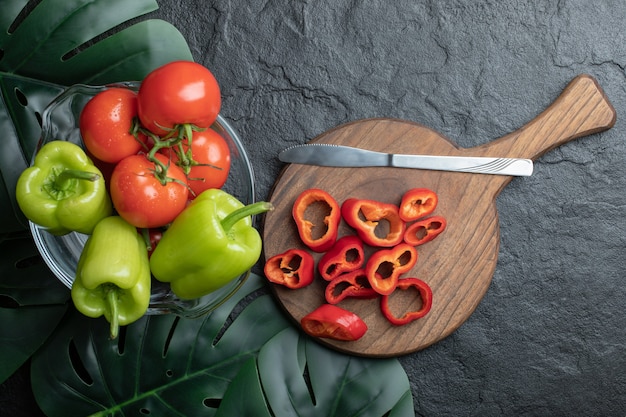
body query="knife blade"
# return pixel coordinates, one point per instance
(323, 154)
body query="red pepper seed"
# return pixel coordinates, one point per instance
(293, 269)
(293, 264)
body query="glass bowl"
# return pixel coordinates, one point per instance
(61, 253)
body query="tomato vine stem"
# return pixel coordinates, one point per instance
(174, 140)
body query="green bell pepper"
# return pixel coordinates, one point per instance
(209, 244)
(113, 274)
(63, 190)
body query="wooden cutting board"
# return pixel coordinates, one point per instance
(459, 264)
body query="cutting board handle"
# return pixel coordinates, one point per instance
(581, 109)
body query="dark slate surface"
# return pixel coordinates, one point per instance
(549, 338)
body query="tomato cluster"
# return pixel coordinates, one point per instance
(156, 144)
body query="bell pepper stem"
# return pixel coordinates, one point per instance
(63, 180)
(145, 235)
(63, 183)
(249, 210)
(113, 307)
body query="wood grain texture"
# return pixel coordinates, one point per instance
(460, 263)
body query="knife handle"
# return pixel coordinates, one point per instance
(476, 165)
(504, 166)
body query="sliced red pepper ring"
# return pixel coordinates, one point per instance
(417, 203)
(330, 321)
(317, 216)
(376, 223)
(294, 268)
(424, 230)
(384, 267)
(346, 255)
(352, 284)
(425, 303)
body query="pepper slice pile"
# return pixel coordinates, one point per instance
(393, 232)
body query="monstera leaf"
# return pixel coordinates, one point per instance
(36, 303)
(45, 46)
(295, 376)
(17, 344)
(161, 365)
(254, 364)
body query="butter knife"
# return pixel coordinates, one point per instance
(322, 154)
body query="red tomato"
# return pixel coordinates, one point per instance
(333, 322)
(210, 152)
(140, 198)
(105, 125)
(181, 92)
